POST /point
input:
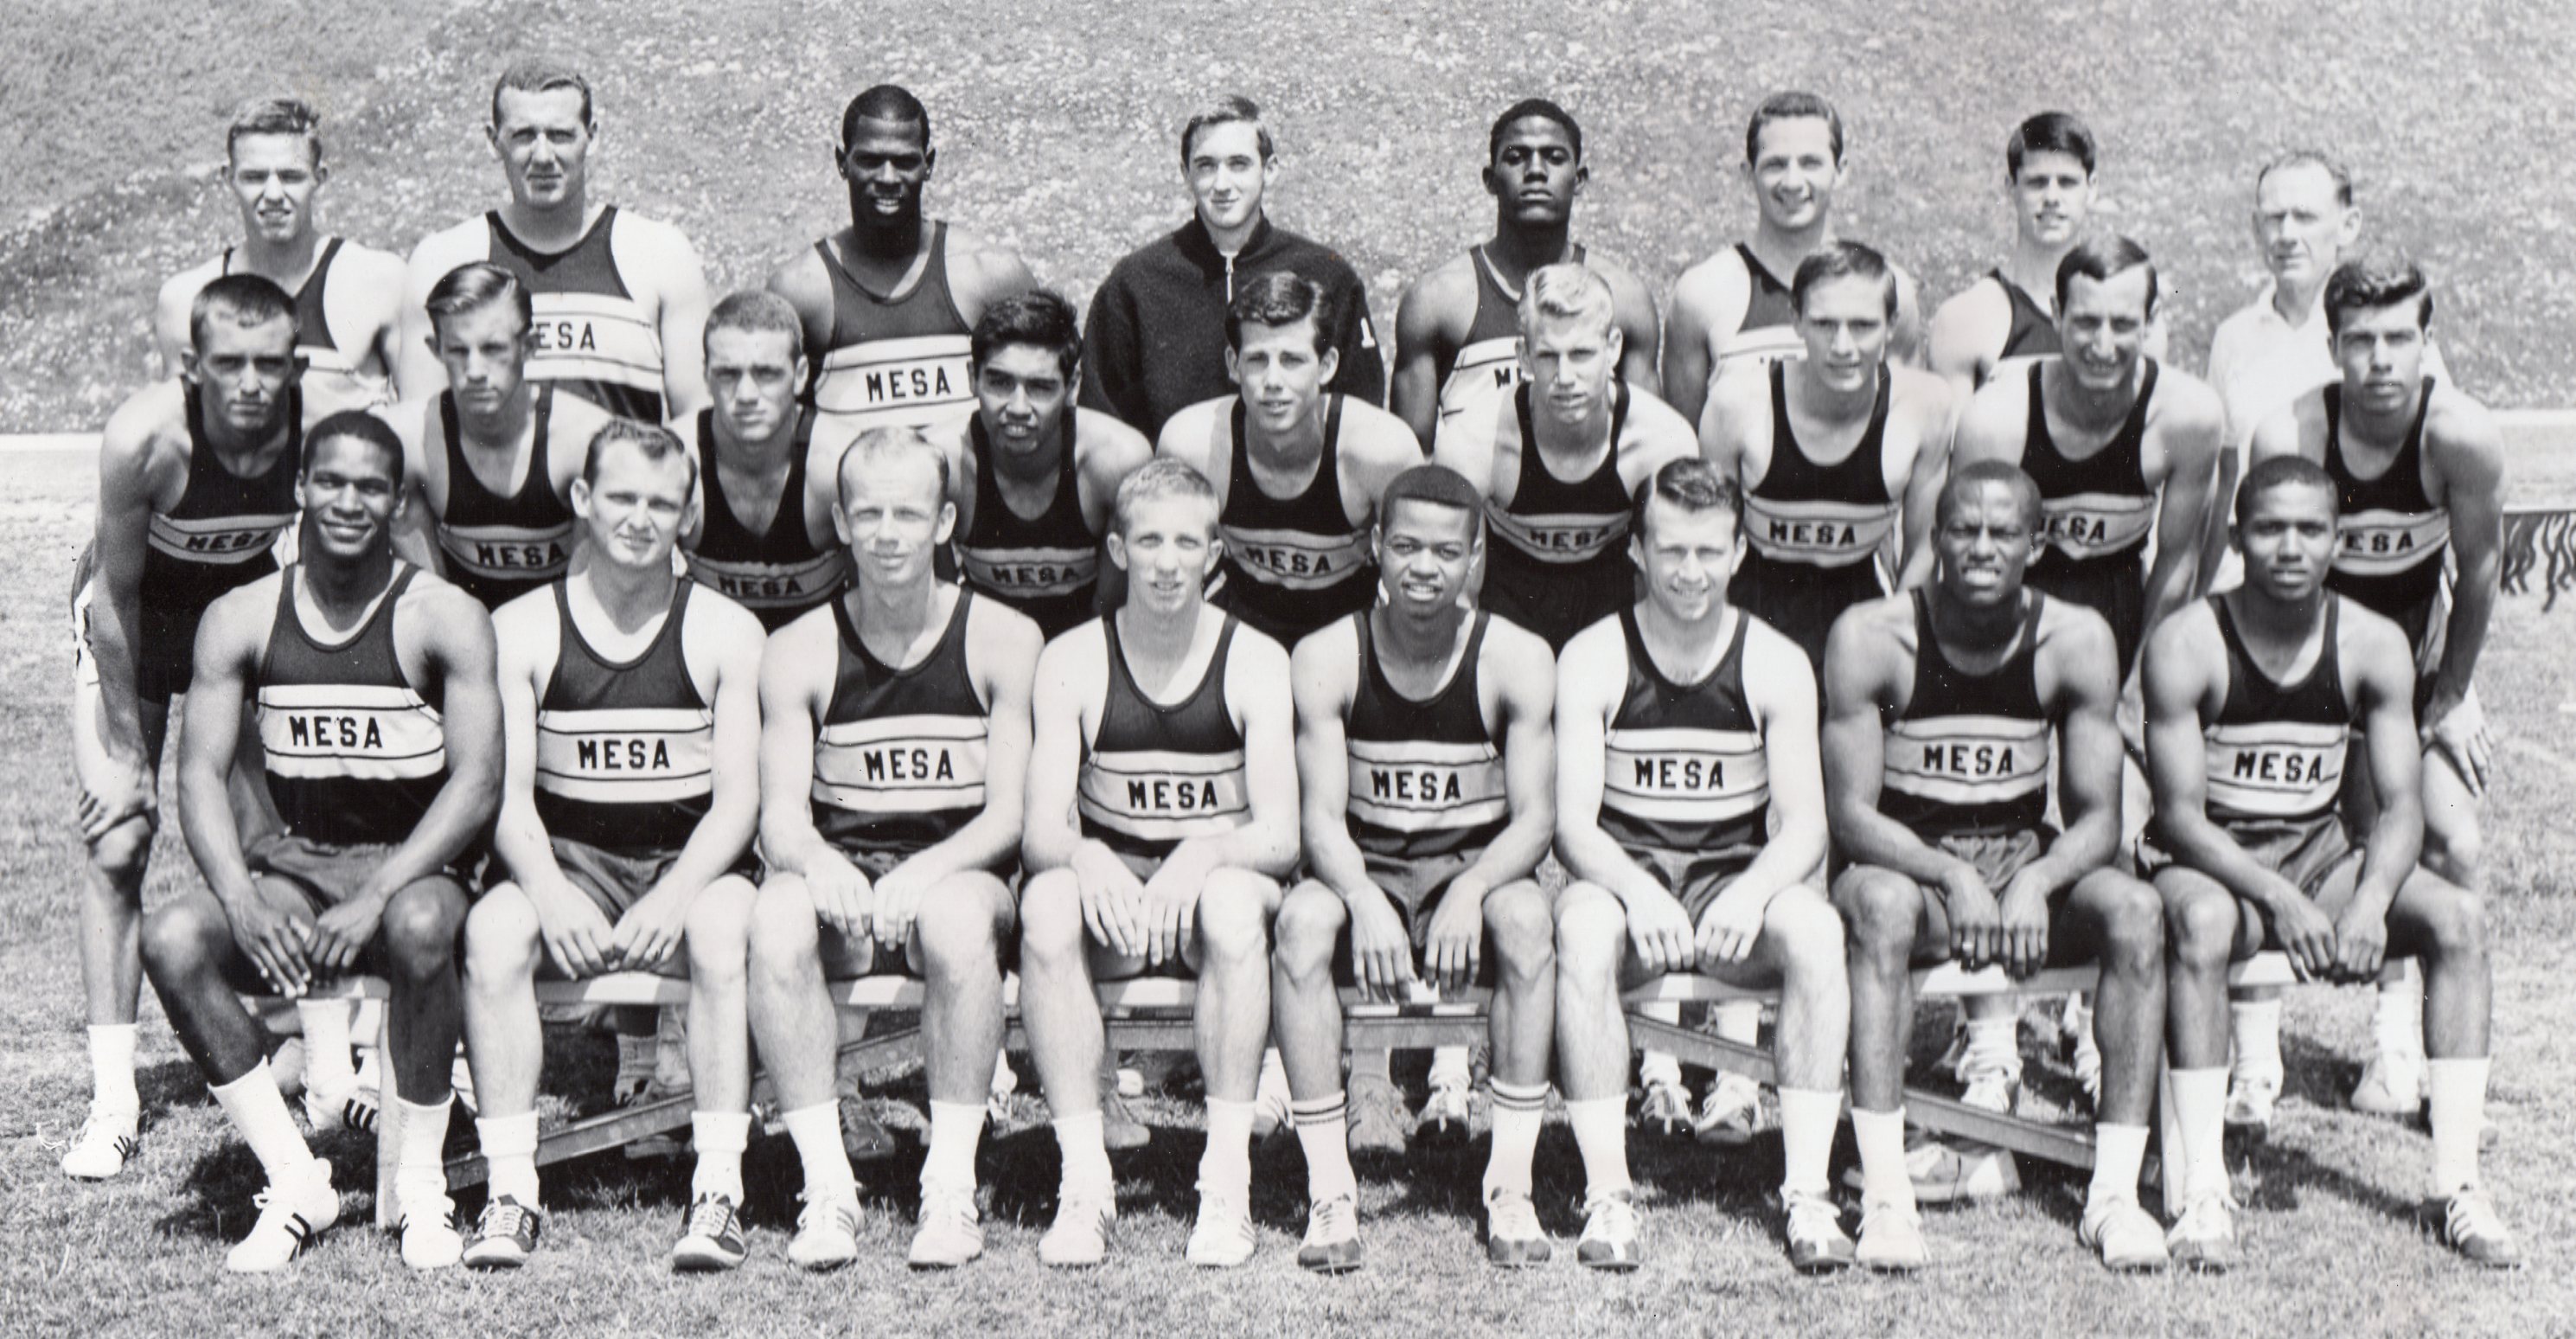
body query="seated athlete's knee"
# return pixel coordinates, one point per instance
(1310, 925)
(1234, 917)
(1051, 929)
(2202, 927)
(781, 926)
(2458, 852)
(1591, 932)
(421, 926)
(2133, 921)
(120, 853)
(958, 935)
(2457, 922)
(501, 933)
(183, 938)
(1522, 928)
(1879, 908)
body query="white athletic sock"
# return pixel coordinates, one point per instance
(2119, 1151)
(1323, 1131)
(1807, 1120)
(1737, 1021)
(266, 1125)
(420, 1154)
(327, 1067)
(2200, 1109)
(719, 1138)
(2398, 1021)
(956, 1128)
(510, 1152)
(1881, 1136)
(111, 1073)
(1450, 1067)
(1655, 1066)
(816, 1132)
(2457, 1093)
(1601, 1134)
(1518, 1113)
(1994, 1046)
(1227, 1164)
(1086, 1156)
(2254, 1027)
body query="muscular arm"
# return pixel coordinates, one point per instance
(2191, 464)
(1064, 691)
(1589, 677)
(415, 523)
(2384, 669)
(2083, 663)
(1641, 331)
(1322, 677)
(795, 681)
(1006, 646)
(802, 281)
(527, 642)
(1962, 341)
(1905, 339)
(2181, 691)
(1923, 483)
(682, 277)
(458, 649)
(170, 311)
(1689, 331)
(1422, 343)
(1527, 675)
(2470, 455)
(123, 536)
(730, 636)
(229, 643)
(1864, 666)
(416, 369)
(1780, 688)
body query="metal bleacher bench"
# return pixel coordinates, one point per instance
(1152, 1014)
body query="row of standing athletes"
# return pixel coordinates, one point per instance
(1297, 462)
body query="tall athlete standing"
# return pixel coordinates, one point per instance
(888, 302)
(1457, 331)
(1690, 809)
(2009, 312)
(1297, 469)
(379, 734)
(2252, 697)
(1426, 764)
(630, 704)
(2419, 476)
(492, 454)
(1041, 474)
(619, 298)
(196, 481)
(1734, 308)
(1162, 813)
(348, 297)
(894, 741)
(1559, 458)
(763, 534)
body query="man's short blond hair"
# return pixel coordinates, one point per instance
(1566, 291)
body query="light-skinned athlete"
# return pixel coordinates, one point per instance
(763, 532)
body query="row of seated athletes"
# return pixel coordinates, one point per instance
(1674, 770)
(1037, 489)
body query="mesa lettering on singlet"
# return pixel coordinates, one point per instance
(1420, 785)
(217, 539)
(902, 764)
(1685, 775)
(2085, 526)
(506, 550)
(2385, 543)
(1030, 572)
(1563, 537)
(2274, 769)
(639, 755)
(1159, 796)
(356, 732)
(763, 585)
(1966, 761)
(595, 337)
(1820, 533)
(1296, 559)
(1485, 371)
(914, 381)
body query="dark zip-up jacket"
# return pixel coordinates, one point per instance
(1155, 340)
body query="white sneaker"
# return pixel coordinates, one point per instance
(1079, 1237)
(1891, 1240)
(827, 1235)
(293, 1212)
(1446, 1115)
(2389, 1088)
(2126, 1236)
(2250, 1102)
(1731, 1114)
(1609, 1239)
(1223, 1237)
(102, 1148)
(429, 1236)
(2204, 1237)
(1332, 1244)
(1997, 1089)
(950, 1232)
(1665, 1109)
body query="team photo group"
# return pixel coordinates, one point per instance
(541, 615)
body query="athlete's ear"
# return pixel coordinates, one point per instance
(1117, 544)
(2349, 231)
(580, 497)
(321, 175)
(840, 524)
(1618, 342)
(1582, 174)
(1233, 370)
(947, 521)
(492, 136)
(1327, 365)
(929, 161)
(189, 371)
(1493, 184)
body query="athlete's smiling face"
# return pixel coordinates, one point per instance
(1281, 372)
(1687, 556)
(1535, 173)
(1427, 552)
(241, 372)
(1795, 172)
(1228, 174)
(754, 376)
(544, 145)
(894, 511)
(349, 491)
(1844, 321)
(1021, 390)
(273, 179)
(1167, 546)
(2102, 328)
(2051, 197)
(485, 351)
(886, 164)
(633, 506)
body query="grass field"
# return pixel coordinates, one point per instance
(1053, 125)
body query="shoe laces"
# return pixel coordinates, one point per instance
(2208, 1214)
(1726, 1099)
(819, 1215)
(1335, 1219)
(1881, 1211)
(505, 1217)
(711, 1216)
(1812, 1215)
(2471, 1214)
(948, 1206)
(1611, 1216)
(1510, 1214)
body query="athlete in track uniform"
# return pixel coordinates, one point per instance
(348, 297)
(763, 532)
(196, 484)
(492, 455)
(630, 701)
(1162, 723)
(1040, 474)
(1825, 532)
(889, 302)
(1425, 763)
(1940, 704)
(1560, 458)
(2419, 476)
(618, 298)
(1734, 308)
(1687, 732)
(894, 743)
(1297, 469)
(2121, 446)
(2251, 697)
(2007, 313)
(379, 734)
(1457, 331)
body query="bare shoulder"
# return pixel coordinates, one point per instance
(1078, 657)
(1386, 439)
(2184, 640)
(1926, 395)
(1106, 442)
(1704, 283)
(2374, 636)
(1448, 288)
(1519, 652)
(2455, 422)
(179, 291)
(1982, 300)
(530, 613)
(1256, 661)
(1652, 421)
(2068, 628)
(995, 627)
(466, 240)
(723, 620)
(371, 269)
(1596, 656)
(1329, 654)
(1769, 658)
(1996, 423)
(150, 421)
(2185, 403)
(1188, 432)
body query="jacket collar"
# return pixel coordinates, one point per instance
(1193, 239)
